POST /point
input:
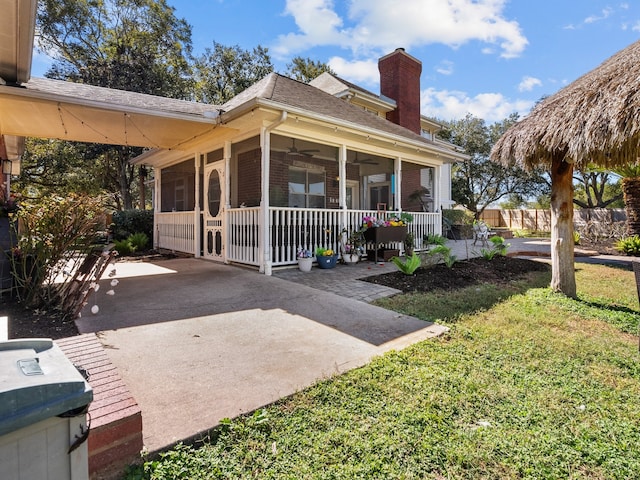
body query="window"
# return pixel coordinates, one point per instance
(306, 188)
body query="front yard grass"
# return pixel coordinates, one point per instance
(527, 384)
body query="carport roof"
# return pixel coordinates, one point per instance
(49, 108)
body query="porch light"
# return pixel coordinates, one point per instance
(6, 166)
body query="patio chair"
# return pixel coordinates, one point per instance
(481, 232)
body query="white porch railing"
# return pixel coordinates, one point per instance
(289, 229)
(175, 231)
(293, 228)
(243, 245)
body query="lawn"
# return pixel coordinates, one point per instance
(527, 384)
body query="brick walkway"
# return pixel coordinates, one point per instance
(343, 280)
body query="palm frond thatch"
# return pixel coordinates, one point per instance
(595, 119)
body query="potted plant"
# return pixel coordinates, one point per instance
(352, 246)
(305, 260)
(326, 258)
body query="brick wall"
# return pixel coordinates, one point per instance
(400, 80)
(410, 183)
(115, 435)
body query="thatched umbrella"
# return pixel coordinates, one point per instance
(594, 120)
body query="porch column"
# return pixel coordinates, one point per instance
(265, 252)
(264, 255)
(197, 234)
(342, 173)
(227, 197)
(397, 170)
(157, 205)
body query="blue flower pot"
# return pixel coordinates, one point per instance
(326, 261)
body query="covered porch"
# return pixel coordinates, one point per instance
(235, 204)
(288, 229)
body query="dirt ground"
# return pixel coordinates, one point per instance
(460, 275)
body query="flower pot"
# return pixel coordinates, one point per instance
(350, 258)
(326, 261)
(304, 264)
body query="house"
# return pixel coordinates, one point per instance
(288, 165)
(281, 166)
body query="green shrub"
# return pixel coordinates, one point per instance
(629, 245)
(439, 252)
(130, 222)
(409, 266)
(138, 241)
(434, 239)
(56, 235)
(124, 247)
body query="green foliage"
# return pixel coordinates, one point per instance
(576, 238)
(478, 181)
(456, 216)
(629, 245)
(408, 266)
(223, 72)
(306, 69)
(123, 247)
(434, 239)
(406, 218)
(137, 46)
(138, 241)
(129, 222)
(526, 384)
(440, 253)
(498, 247)
(56, 234)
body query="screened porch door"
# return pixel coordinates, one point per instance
(214, 211)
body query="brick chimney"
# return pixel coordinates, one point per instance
(400, 81)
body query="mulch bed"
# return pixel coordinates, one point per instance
(461, 274)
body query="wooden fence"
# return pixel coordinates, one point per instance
(540, 220)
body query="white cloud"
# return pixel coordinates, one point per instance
(636, 27)
(365, 71)
(445, 67)
(529, 83)
(375, 26)
(454, 105)
(606, 12)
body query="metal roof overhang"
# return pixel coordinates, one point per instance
(29, 113)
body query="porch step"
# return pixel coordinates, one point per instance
(115, 437)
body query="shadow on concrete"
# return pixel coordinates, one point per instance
(185, 288)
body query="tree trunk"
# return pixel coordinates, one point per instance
(563, 278)
(631, 191)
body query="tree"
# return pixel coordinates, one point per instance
(223, 72)
(594, 189)
(306, 69)
(478, 182)
(135, 45)
(631, 191)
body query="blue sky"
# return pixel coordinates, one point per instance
(485, 57)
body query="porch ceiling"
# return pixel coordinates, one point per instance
(27, 114)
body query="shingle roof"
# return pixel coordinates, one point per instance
(116, 98)
(293, 93)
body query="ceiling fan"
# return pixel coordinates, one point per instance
(364, 161)
(306, 152)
